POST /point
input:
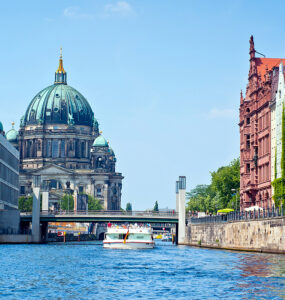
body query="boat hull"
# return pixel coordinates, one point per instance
(128, 245)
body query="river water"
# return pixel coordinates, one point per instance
(87, 271)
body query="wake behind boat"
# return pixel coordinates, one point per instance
(131, 237)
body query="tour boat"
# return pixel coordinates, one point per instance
(128, 237)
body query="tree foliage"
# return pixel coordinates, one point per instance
(94, 203)
(219, 194)
(155, 208)
(26, 204)
(67, 202)
(129, 207)
(279, 183)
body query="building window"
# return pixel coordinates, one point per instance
(48, 145)
(247, 121)
(247, 141)
(247, 168)
(81, 189)
(82, 149)
(22, 190)
(99, 192)
(55, 148)
(62, 148)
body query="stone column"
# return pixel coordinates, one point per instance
(75, 199)
(36, 233)
(45, 197)
(181, 209)
(105, 195)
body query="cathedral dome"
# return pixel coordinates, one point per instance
(59, 104)
(12, 135)
(100, 141)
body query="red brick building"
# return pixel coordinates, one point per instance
(255, 131)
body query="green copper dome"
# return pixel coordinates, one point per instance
(111, 151)
(1, 127)
(12, 135)
(100, 142)
(59, 104)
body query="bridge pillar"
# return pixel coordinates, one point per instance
(44, 232)
(36, 232)
(181, 210)
(177, 196)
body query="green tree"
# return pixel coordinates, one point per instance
(155, 208)
(26, 204)
(129, 207)
(224, 181)
(221, 193)
(94, 203)
(67, 202)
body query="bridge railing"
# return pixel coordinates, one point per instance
(105, 213)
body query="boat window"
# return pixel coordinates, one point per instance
(137, 236)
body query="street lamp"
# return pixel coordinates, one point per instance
(235, 190)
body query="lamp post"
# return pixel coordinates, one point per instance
(236, 191)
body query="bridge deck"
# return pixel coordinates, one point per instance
(104, 216)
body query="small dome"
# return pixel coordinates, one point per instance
(111, 151)
(12, 135)
(100, 142)
(1, 127)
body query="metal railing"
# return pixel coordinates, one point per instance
(105, 213)
(266, 213)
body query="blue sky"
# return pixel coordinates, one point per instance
(163, 77)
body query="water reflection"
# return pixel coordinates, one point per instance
(262, 265)
(258, 266)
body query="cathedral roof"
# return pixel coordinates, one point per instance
(100, 141)
(12, 135)
(59, 104)
(111, 151)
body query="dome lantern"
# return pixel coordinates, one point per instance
(60, 74)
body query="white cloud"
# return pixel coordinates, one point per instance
(122, 8)
(74, 12)
(224, 113)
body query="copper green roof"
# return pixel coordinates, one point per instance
(100, 141)
(1, 127)
(12, 135)
(59, 104)
(111, 151)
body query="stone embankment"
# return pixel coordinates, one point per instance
(261, 235)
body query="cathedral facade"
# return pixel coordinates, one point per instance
(59, 140)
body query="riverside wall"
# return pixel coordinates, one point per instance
(261, 235)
